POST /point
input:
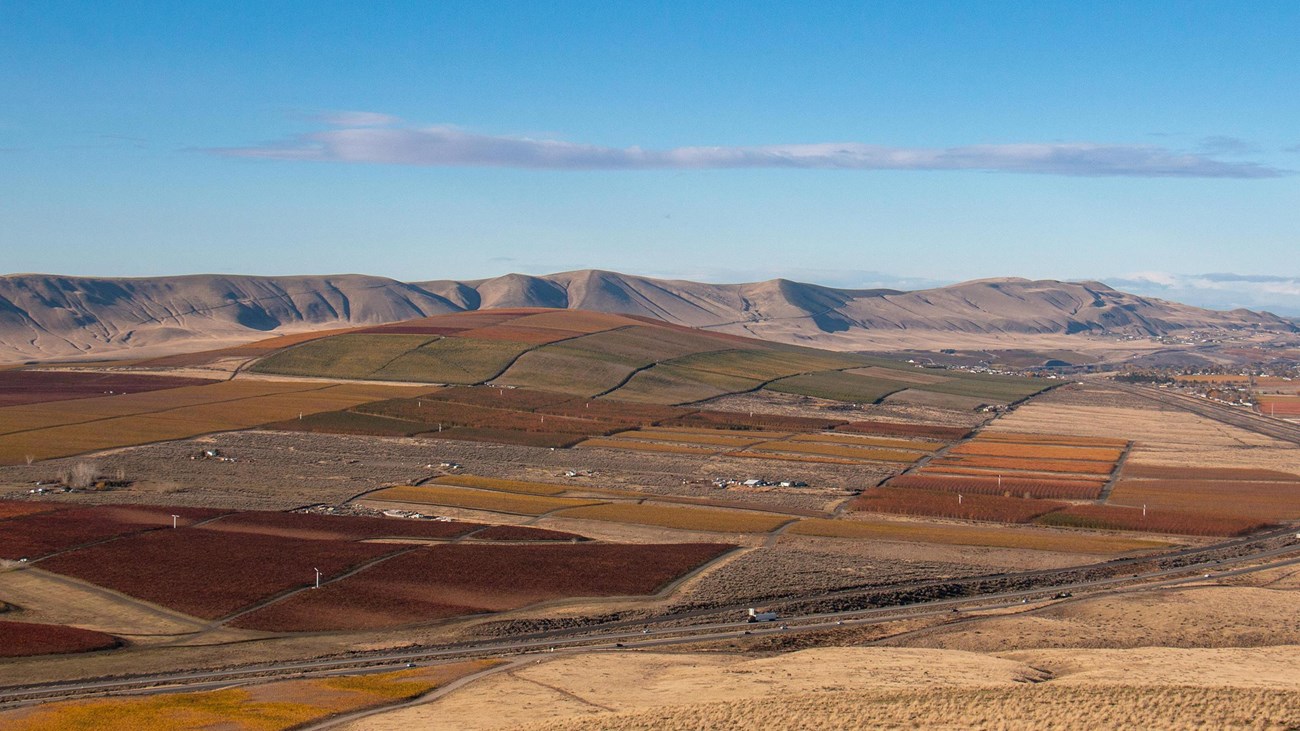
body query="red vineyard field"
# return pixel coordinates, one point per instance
(1066, 466)
(1036, 451)
(929, 431)
(24, 639)
(744, 421)
(31, 387)
(1018, 486)
(948, 505)
(1050, 439)
(1158, 472)
(524, 533)
(41, 534)
(208, 573)
(461, 579)
(338, 527)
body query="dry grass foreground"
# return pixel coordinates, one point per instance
(267, 707)
(861, 688)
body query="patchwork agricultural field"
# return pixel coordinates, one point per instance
(554, 470)
(229, 565)
(613, 356)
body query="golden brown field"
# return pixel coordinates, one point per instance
(268, 707)
(475, 499)
(637, 446)
(714, 520)
(493, 483)
(65, 428)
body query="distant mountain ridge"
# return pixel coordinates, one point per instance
(51, 317)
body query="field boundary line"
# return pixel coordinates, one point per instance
(648, 366)
(1104, 496)
(395, 358)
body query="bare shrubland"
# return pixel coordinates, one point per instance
(1039, 707)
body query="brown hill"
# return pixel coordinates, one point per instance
(47, 317)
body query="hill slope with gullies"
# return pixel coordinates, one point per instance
(46, 317)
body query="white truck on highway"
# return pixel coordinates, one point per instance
(757, 616)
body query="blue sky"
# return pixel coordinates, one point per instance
(853, 144)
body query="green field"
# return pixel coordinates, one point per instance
(838, 386)
(354, 355)
(566, 370)
(393, 357)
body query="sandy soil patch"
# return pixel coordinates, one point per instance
(53, 599)
(875, 688)
(587, 684)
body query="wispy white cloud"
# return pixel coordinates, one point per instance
(366, 137)
(357, 119)
(1279, 294)
(1224, 145)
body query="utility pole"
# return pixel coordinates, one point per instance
(317, 586)
(174, 517)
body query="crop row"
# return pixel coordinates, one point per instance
(904, 429)
(1037, 451)
(495, 483)
(943, 469)
(637, 446)
(470, 498)
(868, 441)
(718, 438)
(1068, 466)
(787, 457)
(836, 450)
(1062, 440)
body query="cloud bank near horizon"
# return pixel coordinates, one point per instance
(375, 138)
(1277, 294)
